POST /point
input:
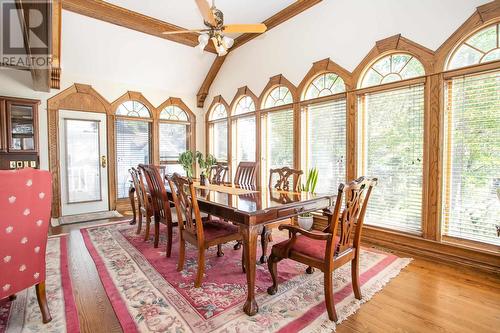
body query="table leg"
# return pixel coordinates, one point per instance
(250, 234)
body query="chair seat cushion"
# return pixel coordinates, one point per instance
(216, 229)
(310, 247)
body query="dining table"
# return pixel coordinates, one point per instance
(252, 208)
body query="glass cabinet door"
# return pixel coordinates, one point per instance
(21, 121)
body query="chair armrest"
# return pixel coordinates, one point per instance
(314, 235)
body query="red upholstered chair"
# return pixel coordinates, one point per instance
(338, 244)
(25, 203)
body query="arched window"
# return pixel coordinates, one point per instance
(245, 105)
(391, 68)
(471, 155)
(391, 141)
(483, 46)
(277, 131)
(325, 84)
(174, 113)
(217, 132)
(244, 132)
(174, 137)
(133, 109)
(324, 131)
(278, 96)
(132, 140)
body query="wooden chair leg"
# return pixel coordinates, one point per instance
(169, 239)
(272, 265)
(139, 223)
(148, 226)
(201, 268)
(355, 277)
(264, 241)
(237, 246)
(157, 233)
(131, 196)
(219, 251)
(182, 254)
(330, 304)
(42, 302)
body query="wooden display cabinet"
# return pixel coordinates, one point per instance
(18, 133)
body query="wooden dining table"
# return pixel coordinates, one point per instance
(252, 209)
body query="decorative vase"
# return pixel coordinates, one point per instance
(203, 180)
(305, 222)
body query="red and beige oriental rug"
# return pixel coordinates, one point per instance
(23, 314)
(149, 295)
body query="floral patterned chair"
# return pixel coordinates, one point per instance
(25, 203)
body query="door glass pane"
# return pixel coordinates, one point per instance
(245, 140)
(83, 169)
(173, 141)
(21, 122)
(132, 149)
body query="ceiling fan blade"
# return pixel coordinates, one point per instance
(180, 32)
(245, 28)
(206, 12)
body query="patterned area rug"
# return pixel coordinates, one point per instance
(149, 295)
(23, 314)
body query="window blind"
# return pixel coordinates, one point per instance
(245, 140)
(219, 140)
(392, 151)
(173, 141)
(277, 138)
(132, 148)
(326, 143)
(471, 197)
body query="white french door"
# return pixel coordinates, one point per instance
(83, 162)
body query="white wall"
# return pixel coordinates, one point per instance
(342, 30)
(113, 60)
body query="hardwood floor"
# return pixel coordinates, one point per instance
(426, 297)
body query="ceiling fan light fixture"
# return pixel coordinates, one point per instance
(228, 42)
(203, 39)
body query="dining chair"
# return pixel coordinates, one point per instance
(246, 174)
(192, 228)
(282, 179)
(218, 174)
(161, 205)
(332, 248)
(26, 204)
(145, 207)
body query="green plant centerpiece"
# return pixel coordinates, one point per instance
(186, 159)
(205, 164)
(305, 220)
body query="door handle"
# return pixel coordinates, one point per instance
(104, 161)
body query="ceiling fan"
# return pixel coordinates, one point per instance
(216, 30)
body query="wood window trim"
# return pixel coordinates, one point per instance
(431, 243)
(321, 67)
(275, 82)
(482, 17)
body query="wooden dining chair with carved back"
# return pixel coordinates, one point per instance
(282, 179)
(161, 205)
(144, 205)
(192, 228)
(218, 174)
(246, 174)
(338, 244)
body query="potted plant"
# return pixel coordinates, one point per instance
(205, 165)
(186, 159)
(305, 220)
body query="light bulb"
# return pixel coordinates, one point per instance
(203, 39)
(228, 42)
(221, 50)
